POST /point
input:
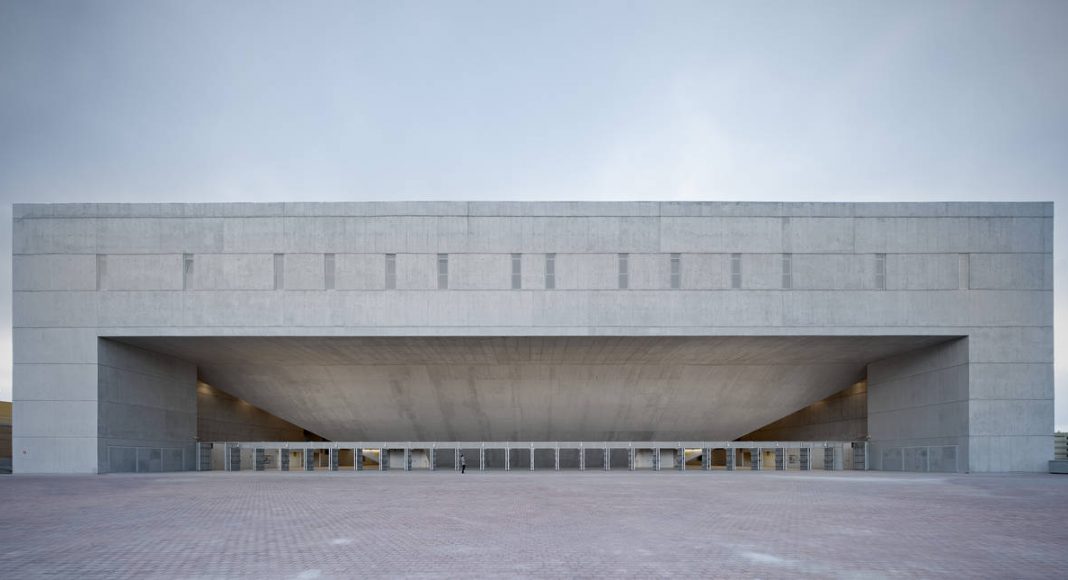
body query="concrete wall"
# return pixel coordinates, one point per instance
(224, 417)
(146, 400)
(981, 270)
(841, 417)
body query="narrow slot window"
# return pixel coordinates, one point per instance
(279, 272)
(187, 271)
(624, 271)
(787, 271)
(880, 271)
(676, 271)
(328, 271)
(550, 271)
(391, 271)
(101, 271)
(443, 271)
(736, 271)
(517, 271)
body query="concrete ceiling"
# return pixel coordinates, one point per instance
(531, 388)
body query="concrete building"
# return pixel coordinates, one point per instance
(914, 325)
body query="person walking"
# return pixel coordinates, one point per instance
(463, 464)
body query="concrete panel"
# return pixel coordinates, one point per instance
(1012, 344)
(363, 271)
(54, 236)
(54, 382)
(817, 235)
(1011, 417)
(232, 308)
(649, 271)
(840, 417)
(417, 271)
(54, 418)
(533, 269)
(52, 309)
(1011, 453)
(312, 308)
(129, 235)
(907, 308)
(266, 235)
(54, 345)
(563, 234)
(562, 208)
(954, 209)
(1011, 271)
(1011, 381)
(54, 272)
(305, 271)
(927, 425)
(720, 235)
(143, 272)
(929, 388)
(948, 235)
(191, 236)
(761, 271)
(233, 272)
(833, 271)
(706, 271)
(54, 454)
(223, 417)
(587, 271)
(139, 309)
(480, 271)
(922, 271)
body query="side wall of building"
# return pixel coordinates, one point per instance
(147, 410)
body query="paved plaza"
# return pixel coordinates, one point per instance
(618, 524)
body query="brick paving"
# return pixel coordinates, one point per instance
(522, 524)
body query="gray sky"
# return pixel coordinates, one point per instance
(267, 101)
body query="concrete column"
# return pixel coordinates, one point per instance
(607, 459)
(532, 458)
(357, 459)
(731, 456)
(482, 459)
(680, 459)
(433, 458)
(556, 460)
(630, 459)
(456, 459)
(333, 459)
(706, 459)
(507, 459)
(656, 459)
(407, 459)
(383, 460)
(582, 459)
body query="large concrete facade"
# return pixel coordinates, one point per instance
(501, 321)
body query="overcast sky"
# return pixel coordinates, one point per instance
(125, 101)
